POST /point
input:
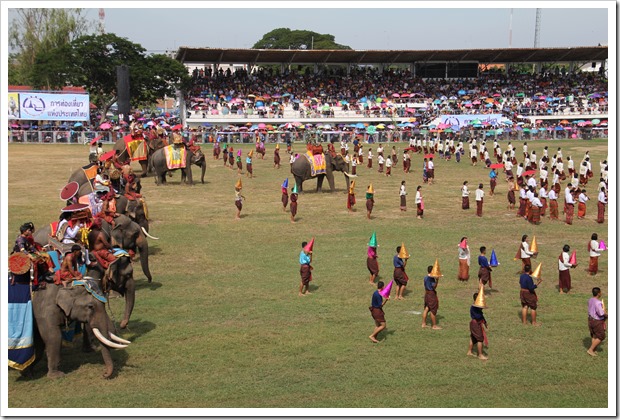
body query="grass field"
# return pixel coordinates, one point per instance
(222, 325)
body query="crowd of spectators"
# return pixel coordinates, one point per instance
(371, 92)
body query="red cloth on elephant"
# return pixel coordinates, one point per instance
(61, 276)
(104, 257)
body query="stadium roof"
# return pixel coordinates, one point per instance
(484, 56)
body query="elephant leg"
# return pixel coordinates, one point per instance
(203, 169)
(144, 166)
(53, 345)
(130, 299)
(319, 183)
(299, 182)
(330, 180)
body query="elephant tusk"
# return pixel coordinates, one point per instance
(107, 342)
(118, 339)
(348, 175)
(147, 234)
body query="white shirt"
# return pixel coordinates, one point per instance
(583, 198)
(594, 251)
(388, 162)
(370, 154)
(601, 197)
(543, 174)
(531, 182)
(543, 192)
(479, 194)
(402, 190)
(381, 160)
(519, 170)
(529, 195)
(522, 193)
(571, 164)
(418, 197)
(525, 250)
(536, 202)
(583, 170)
(552, 195)
(464, 191)
(508, 165)
(563, 263)
(569, 199)
(431, 165)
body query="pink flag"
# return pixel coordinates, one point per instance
(385, 292)
(601, 246)
(573, 258)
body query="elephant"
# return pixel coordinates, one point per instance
(199, 160)
(159, 166)
(136, 210)
(53, 306)
(119, 277)
(302, 171)
(125, 234)
(152, 146)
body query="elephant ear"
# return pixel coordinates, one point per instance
(65, 299)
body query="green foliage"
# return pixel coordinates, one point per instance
(35, 31)
(284, 38)
(222, 326)
(91, 61)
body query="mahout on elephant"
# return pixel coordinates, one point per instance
(320, 165)
(125, 234)
(172, 158)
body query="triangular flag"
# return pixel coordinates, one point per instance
(385, 292)
(238, 184)
(285, 183)
(436, 272)
(601, 246)
(373, 240)
(352, 187)
(534, 247)
(463, 244)
(250, 153)
(480, 300)
(294, 190)
(310, 245)
(573, 258)
(403, 252)
(239, 152)
(537, 273)
(370, 190)
(494, 262)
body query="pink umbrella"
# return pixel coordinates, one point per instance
(105, 126)
(262, 125)
(395, 95)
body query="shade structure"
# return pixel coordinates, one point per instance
(70, 190)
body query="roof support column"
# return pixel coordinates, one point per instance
(316, 68)
(507, 67)
(571, 67)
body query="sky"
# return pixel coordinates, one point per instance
(159, 27)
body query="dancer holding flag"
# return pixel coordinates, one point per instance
(400, 277)
(563, 267)
(464, 260)
(238, 199)
(370, 200)
(596, 320)
(305, 270)
(371, 260)
(431, 302)
(477, 335)
(594, 251)
(284, 194)
(293, 205)
(379, 298)
(528, 294)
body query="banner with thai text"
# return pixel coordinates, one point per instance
(52, 106)
(463, 120)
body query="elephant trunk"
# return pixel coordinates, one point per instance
(143, 247)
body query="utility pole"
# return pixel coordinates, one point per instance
(101, 27)
(537, 29)
(510, 30)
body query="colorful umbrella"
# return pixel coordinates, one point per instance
(532, 172)
(497, 165)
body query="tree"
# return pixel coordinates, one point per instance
(34, 31)
(91, 61)
(284, 39)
